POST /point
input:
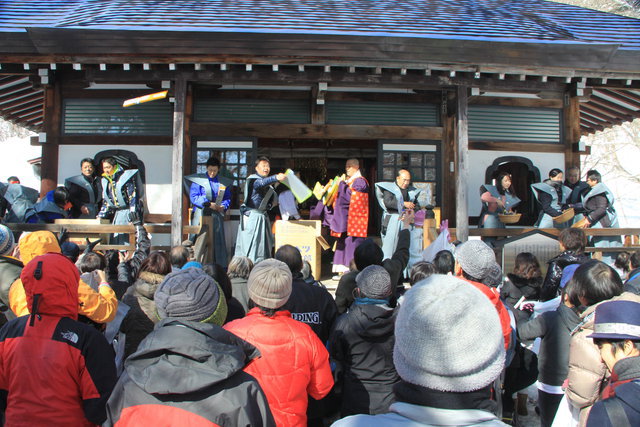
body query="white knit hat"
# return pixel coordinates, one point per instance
(448, 336)
(7, 242)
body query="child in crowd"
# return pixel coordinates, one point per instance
(592, 283)
(617, 335)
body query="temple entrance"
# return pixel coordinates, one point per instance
(523, 175)
(320, 161)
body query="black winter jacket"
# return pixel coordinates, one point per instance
(188, 370)
(312, 305)
(554, 327)
(551, 283)
(515, 288)
(361, 345)
(633, 282)
(394, 266)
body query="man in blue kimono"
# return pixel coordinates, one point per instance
(394, 198)
(255, 239)
(210, 194)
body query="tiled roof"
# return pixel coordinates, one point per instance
(496, 20)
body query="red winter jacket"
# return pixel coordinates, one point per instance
(494, 296)
(294, 363)
(54, 370)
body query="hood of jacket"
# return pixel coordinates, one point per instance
(147, 283)
(52, 281)
(38, 243)
(567, 257)
(373, 320)
(181, 357)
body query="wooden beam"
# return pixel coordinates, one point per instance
(604, 110)
(19, 94)
(571, 131)
(188, 151)
(318, 116)
(516, 146)
(627, 94)
(591, 125)
(22, 107)
(19, 102)
(311, 76)
(114, 140)
(462, 172)
(177, 170)
(594, 119)
(515, 102)
(624, 98)
(448, 201)
(53, 112)
(584, 109)
(305, 131)
(616, 107)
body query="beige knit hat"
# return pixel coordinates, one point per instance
(269, 283)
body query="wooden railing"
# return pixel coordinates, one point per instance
(203, 246)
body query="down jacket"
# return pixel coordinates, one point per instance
(142, 316)
(554, 273)
(361, 346)
(101, 306)
(54, 370)
(517, 287)
(189, 371)
(294, 363)
(587, 373)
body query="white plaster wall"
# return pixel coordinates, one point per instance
(480, 160)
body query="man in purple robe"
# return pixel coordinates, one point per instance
(350, 216)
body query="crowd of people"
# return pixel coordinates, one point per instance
(155, 337)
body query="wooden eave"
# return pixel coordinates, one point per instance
(111, 56)
(85, 46)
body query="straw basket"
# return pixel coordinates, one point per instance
(509, 218)
(565, 216)
(580, 224)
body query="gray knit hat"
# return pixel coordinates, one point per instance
(448, 336)
(191, 294)
(7, 242)
(494, 277)
(269, 283)
(476, 258)
(374, 282)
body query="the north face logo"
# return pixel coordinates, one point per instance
(70, 336)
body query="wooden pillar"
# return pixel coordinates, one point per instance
(571, 131)
(177, 169)
(187, 167)
(50, 151)
(448, 202)
(462, 164)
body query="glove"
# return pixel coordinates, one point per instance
(90, 245)
(206, 204)
(63, 235)
(527, 307)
